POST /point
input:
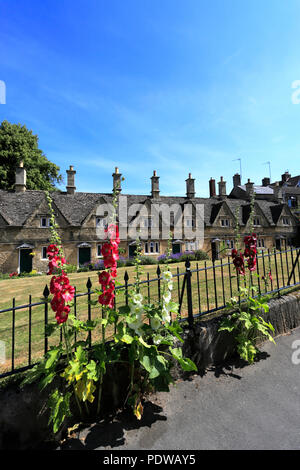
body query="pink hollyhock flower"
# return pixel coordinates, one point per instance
(67, 293)
(112, 232)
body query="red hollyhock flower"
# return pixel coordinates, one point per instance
(113, 271)
(107, 298)
(238, 262)
(109, 262)
(233, 253)
(62, 314)
(104, 278)
(52, 250)
(251, 264)
(57, 302)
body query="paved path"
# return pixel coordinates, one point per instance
(254, 407)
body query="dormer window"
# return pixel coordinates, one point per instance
(225, 222)
(285, 220)
(46, 222)
(148, 222)
(256, 222)
(101, 222)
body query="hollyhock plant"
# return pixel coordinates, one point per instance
(110, 253)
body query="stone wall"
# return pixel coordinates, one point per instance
(206, 346)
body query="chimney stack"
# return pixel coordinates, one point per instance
(117, 180)
(71, 180)
(249, 188)
(222, 188)
(285, 177)
(277, 194)
(20, 184)
(190, 187)
(212, 187)
(236, 180)
(265, 181)
(155, 185)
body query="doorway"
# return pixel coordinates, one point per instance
(25, 260)
(84, 255)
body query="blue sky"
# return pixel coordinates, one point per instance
(168, 85)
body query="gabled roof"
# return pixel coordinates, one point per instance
(16, 208)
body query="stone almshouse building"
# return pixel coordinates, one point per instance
(25, 233)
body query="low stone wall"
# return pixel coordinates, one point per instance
(23, 413)
(206, 346)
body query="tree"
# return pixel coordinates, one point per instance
(17, 144)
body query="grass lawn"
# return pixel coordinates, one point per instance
(210, 289)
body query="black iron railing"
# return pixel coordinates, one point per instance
(198, 291)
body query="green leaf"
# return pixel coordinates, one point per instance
(59, 405)
(186, 363)
(50, 328)
(46, 380)
(124, 310)
(127, 338)
(52, 356)
(80, 355)
(140, 339)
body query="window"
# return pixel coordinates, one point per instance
(46, 222)
(230, 244)
(285, 220)
(101, 221)
(189, 222)
(151, 247)
(260, 243)
(44, 252)
(225, 222)
(256, 221)
(148, 222)
(190, 246)
(99, 248)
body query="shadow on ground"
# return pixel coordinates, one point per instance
(232, 366)
(110, 431)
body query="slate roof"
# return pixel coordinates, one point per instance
(258, 189)
(15, 208)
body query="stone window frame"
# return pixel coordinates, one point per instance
(225, 225)
(47, 219)
(42, 253)
(99, 247)
(152, 244)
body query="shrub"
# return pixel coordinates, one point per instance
(201, 255)
(148, 260)
(70, 268)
